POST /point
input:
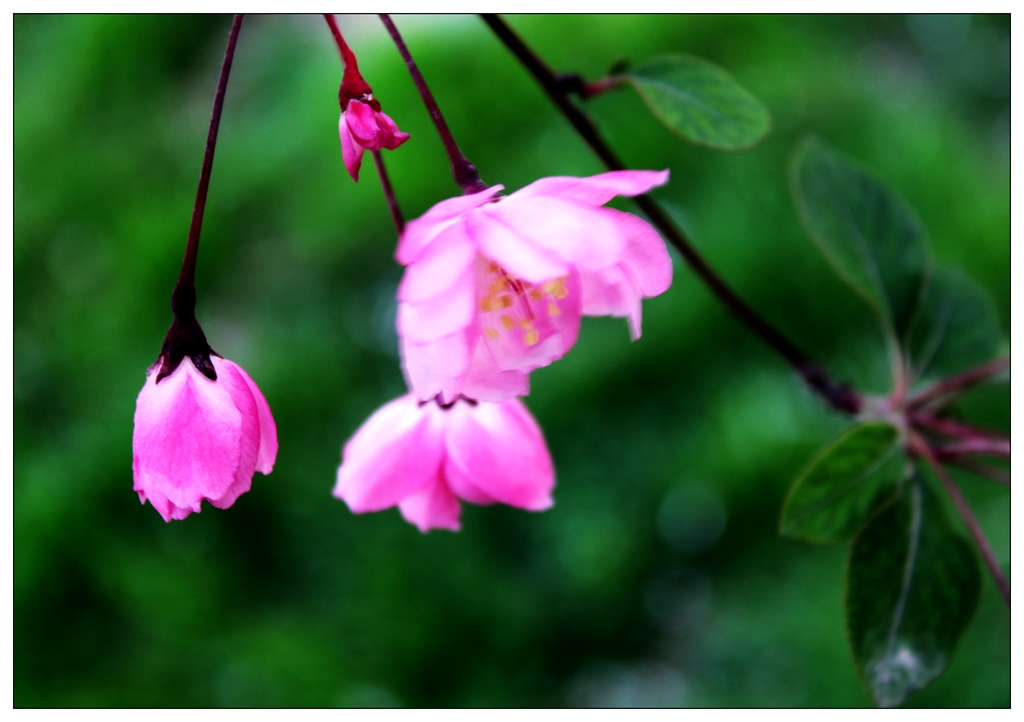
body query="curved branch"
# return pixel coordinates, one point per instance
(837, 395)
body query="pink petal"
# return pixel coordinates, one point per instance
(434, 508)
(351, 153)
(438, 367)
(362, 123)
(447, 258)
(451, 311)
(395, 454)
(237, 384)
(168, 510)
(390, 136)
(497, 451)
(191, 439)
(268, 429)
(612, 292)
(420, 232)
(646, 255)
(512, 251)
(486, 382)
(572, 232)
(598, 189)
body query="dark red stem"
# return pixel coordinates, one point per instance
(347, 56)
(923, 450)
(183, 299)
(837, 395)
(389, 193)
(465, 173)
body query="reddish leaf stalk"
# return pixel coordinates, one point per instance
(980, 447)
(837, 395)
(465, 173)
(183, 299)
(919, 446)
(958, 384)
(981, 469)
(389, 193)
(954, 428)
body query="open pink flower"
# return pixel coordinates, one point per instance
(424, 458)
(362, 127)
(197, 438)
(495, 287)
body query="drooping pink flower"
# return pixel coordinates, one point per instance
(425, 457)
(196, 438)
(495, 286)
(364, 127)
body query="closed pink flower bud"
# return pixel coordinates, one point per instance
(495, 287)
(424, 458)
(362, 127)
(197, 438)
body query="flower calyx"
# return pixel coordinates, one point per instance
(185, 338)
(353, 86)
(444, 406)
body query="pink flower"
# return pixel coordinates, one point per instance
(424, 458)
(495, 287)
(196, 438)
(361, 126)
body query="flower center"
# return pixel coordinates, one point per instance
(514, 305)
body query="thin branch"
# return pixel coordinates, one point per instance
(925, 452)
(981, 469)
(352, 83)
(348, 58)
(389, 193)
(837, 395)
(465, 173)
(183, 299)
(956, 385)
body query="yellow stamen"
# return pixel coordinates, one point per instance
(554, 310)
(507, 322)
(557, 288)
(531, 337)
(491, 332)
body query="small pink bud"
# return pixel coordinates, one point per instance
(362, 127)
(197, 438)
(423, 458)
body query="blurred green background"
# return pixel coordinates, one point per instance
(658, 577)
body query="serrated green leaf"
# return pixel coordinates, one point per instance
(955, 326)
(700, 102)
(911, 588)
(868, 234)
(851, 478)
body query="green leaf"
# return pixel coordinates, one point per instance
(700, 102)
(845, 484)
(911, 588)
(955, 327)
(865, 231)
